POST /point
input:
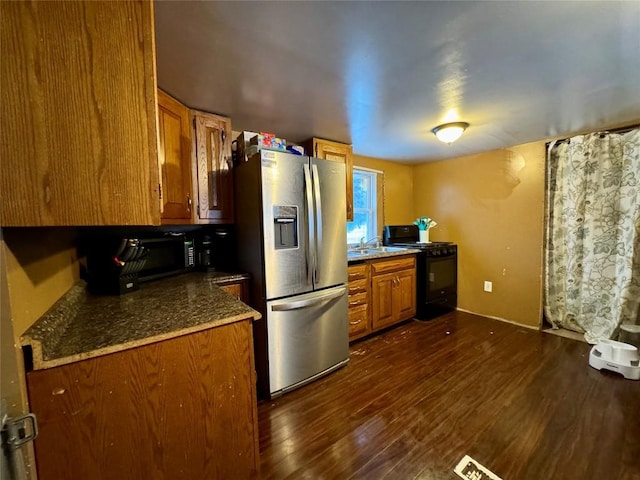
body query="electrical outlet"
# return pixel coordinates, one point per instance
(488, 286)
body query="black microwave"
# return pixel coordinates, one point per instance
(117, 265)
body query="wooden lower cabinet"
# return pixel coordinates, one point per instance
(359, 299)
(394, 297)
(239, 289)
(179, 408)
(381, 293)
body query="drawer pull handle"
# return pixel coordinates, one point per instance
(356, 303)
(355, 323)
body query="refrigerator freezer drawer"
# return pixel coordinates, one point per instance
(308, 336)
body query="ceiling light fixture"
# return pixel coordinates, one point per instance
(450, 132)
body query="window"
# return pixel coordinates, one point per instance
(364, 222)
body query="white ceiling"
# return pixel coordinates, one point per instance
(381, 75)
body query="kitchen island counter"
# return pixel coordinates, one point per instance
(82, 325)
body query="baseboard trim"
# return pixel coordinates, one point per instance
(530, 327)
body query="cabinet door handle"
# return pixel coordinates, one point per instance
(188, 202)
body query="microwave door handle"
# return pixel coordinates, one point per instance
(318, 250)
(310, 251)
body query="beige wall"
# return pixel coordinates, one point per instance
(42, 266)
(492, 206)
(397, 189)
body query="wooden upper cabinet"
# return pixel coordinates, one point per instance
(213, 166)
(337, 152)
(174, 157)
(78, 143)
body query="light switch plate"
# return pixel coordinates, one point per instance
(488, 286)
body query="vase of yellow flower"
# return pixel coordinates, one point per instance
(424, 224)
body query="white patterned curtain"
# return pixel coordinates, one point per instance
(592, 275)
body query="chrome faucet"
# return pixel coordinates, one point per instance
(364, 244)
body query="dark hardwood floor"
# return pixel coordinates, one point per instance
(414, 400)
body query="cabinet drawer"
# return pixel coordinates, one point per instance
(357, 272)
(400, 263)
(358, 286)
(358, 300)
(358, 321)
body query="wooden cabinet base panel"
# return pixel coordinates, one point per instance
(181, 408)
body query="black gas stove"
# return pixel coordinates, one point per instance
(436, 270)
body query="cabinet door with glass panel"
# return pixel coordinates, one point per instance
(213, 167)
(365, 224)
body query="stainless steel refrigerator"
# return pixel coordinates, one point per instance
(291, 229)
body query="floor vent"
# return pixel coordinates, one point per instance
(470, 469)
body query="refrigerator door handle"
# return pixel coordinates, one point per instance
(310, 252)
(307, 302)
(316, 187)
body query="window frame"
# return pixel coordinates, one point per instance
(372, 203)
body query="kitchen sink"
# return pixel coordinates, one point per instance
(387, 249)
(359, 251)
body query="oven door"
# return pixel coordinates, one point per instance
(441, 276)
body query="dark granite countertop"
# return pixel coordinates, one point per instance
(225, 277)
(82, 325)
(378, 255)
